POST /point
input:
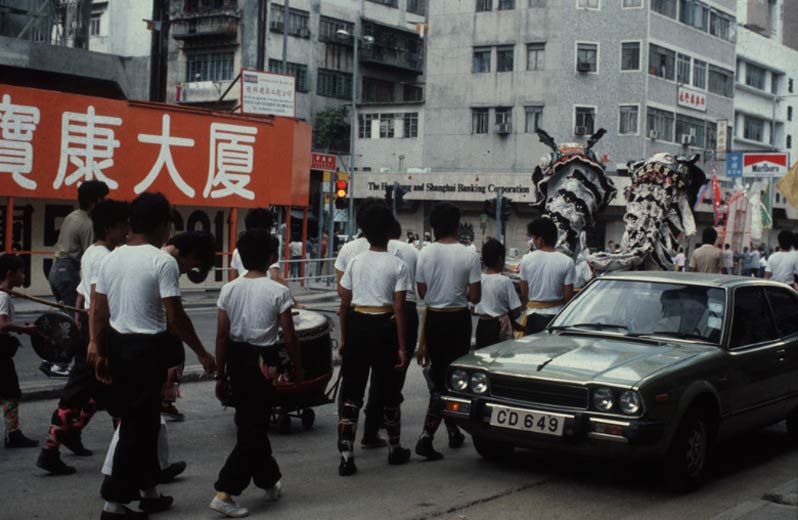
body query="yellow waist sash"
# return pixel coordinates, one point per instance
(537, 305)
(384, 309)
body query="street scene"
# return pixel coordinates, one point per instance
(399, 258)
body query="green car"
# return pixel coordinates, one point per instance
(643, 365)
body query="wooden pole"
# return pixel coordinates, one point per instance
(9, 225)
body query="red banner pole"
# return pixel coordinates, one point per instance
(231, 239)
(303, 265)
(287, 240)
(9, 224)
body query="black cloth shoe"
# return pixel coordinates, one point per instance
(45, 368)
(171, 472)
(50, 461)
(129, 514)
(16, 439)
(424, 449)
(155, 505)
(376, 442)
(456, 439)
(347, 467)
(398, 456)
(74, 444)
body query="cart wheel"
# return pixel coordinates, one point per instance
(308, 418)
(284, 424)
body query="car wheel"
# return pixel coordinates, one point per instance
(685, 463)
(492, 450)
(792, 425)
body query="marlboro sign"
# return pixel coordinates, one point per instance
(765, 164)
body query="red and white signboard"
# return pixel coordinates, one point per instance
(322, 161)
(765, 164)
(266, 93)
(692, 99)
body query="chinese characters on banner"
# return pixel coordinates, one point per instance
(323, 161)
(692, 99)
(50, 142)
(266, 93)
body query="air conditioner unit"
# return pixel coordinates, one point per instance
(652, 134)
(688, 140)
(504, 128)
(276, 25)
(583, 66)
(581, 130)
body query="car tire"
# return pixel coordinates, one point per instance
(492, 450)
(685, 464)
(792, 426)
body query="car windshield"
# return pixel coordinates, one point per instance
(639, 308)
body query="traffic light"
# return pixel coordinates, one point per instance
(489, 208)
(389, 195)
(507, 210)
(341, 193)
(400, 197)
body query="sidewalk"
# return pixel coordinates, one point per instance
(779, 504)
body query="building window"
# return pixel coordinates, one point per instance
(504, 116)
(481, 62)
(537, 3)
(332, 83)
(484, 5)
(588, 4)
(504, 59)
(789, 113)
(480, 117)
(585, 118)
(661, 62)
(535, 56)
(775, 82)
(683, 70)
(699, 74)
(533, 116)
(628, 123)
(789, 142)
(721, 81)
(329, 27)
(213, 66)
(94, 27)
(389, 3)
(299, 71)
(694, 14)
(298, 21)
(387, 126)
(364, 125)
(721, 26)
(712, 135)
(755, 76)
(506, 5)
(691, 127)
(627, 4)
(660, 124)
(630, 56)
(587, 57)
(789, 86)
(417, 6)
(410, 124)
(412, 93)
(378, 90)
(666, 7)
(754, 129)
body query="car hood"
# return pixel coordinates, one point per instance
(582, 358)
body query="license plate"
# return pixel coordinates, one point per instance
(527, 420)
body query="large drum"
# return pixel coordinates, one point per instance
(315, 344)
(63, 337)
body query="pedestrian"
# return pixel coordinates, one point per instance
(728, 259)
(258, 218)
(448, 278)
(410, 237)
(680, 260)
(782, 266)
(708, 258)
(471, 246)
(499, 299)
(12, 275)
(83, 395)
(323, 268)
(373, 335)
(763, 262)
(610, 247)
(746, 262)
(295, 252)
(754, 266)
(74, 238)
(251, 309)
(547, 277)
(136, 294)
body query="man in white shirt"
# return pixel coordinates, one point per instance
(136, 295)
(257, 218)
(448, 279)
(547, 277)
(755, 257)
(499, 303)
(783, 265)
(728, 259)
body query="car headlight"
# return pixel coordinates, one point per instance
(458, 381)
(630, 402)
(479, 383)
(603, 399)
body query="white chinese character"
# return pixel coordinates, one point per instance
(165, 158)
(87, 146)
(231, 161)
(17, 124)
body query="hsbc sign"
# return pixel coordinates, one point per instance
(765, 164)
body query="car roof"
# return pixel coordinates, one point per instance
(721, 281)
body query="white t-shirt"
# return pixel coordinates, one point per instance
(472, 247)
(135, 279)
(447, 270)
(754, 260)
(295, 248)
(238, 265)
(681, 259)
(6, 305)
(253, 306)
(546, 273)
(728, 260)
(782, 266)
(582, 274)
(409, 255)
(374, 277)
(89, 266)
(498, 296)
(349, 251)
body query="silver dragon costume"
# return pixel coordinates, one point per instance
(571, 187)
(659, 211)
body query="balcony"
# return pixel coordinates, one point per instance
(393, 48)
(201, 23)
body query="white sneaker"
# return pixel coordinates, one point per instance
(228, 509)
(273, 493)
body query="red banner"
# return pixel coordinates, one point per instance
(322, 161)
(50, 142)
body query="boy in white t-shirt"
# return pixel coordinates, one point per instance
(374, 286)
(499, 299)
(251, 309)
(783, 265)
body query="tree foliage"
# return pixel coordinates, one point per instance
(332, 129)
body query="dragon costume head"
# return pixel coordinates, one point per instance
(571, 187)
(659, 210)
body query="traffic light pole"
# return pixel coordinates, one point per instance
(498, 216)
(394, 197)
(331, 239)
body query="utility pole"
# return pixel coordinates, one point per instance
(159, 50)
(498, 216)
(286, 14)
(331, 239)
(353, 128)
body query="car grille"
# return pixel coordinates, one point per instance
(541, 392)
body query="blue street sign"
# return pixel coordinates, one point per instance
(734, 164)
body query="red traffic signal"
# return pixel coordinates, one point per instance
(341, 189)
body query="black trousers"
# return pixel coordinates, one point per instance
(373, 420)
(82, 384)
(448, 336)
(537, 322)
(137, 373)
(253, 394)
(9, 382)
(488, 332)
